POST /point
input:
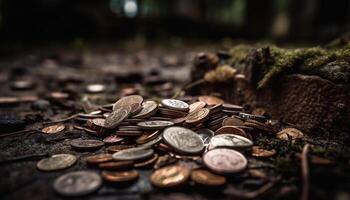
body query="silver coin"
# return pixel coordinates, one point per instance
(117, 116)
(77, 183)
(133, 154)
(175, 104)
(183, 140)
(86, 144)
(155, 124)
(148, 109)
(56, 162)
(230, 141)
(205, 134)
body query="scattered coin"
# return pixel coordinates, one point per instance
(117, 116)
(149, 108)
(230, 141)
(116, 165)
(133, 154)
(99, 158)
(86, 144)
(155, 124)
(56, 162)
(170, 176)
(175, 104)
(183, 140)
(198, 116)
(53, 129)
(224, 160)
(211, 100)
(290, 134)
(121, 176)
(205, 177)
(128, 101)
(77, 183)
(196, 106)
(259, 152)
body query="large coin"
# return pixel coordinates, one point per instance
(117, 116)
(230, 141)
(170, 176)
(121, 176)
(133, 154)
(183, 140)
(86, 144)
(197, 116)
(56, 162)
(175, 104)
(77, 183)
(129, 101)
(155, 124)
(205, 177)
(224, 160)
(148, 109)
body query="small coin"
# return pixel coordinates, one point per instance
(232, 107)
(290, 134)
(232, 130)
(259, 152)
(183, 140)
(232, 121)
(53, 129)
(113, 139)
(198, 116)
(224, 160)
(170, 176)
(205, 134)
(205, 177)
(128, 101)
(230, 141)
(147, 162)
(99, 158)
(77, 183)
(86, 144)
(149, 108)
(95, 88)
(211, 100)
(196, 106)
(133, 154)
(120, 176)
(56, 162)
(155, 124)
(175, 104)
(117, 116)
(125, 164)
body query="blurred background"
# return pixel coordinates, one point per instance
(288, 21)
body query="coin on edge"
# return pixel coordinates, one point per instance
(117, 116)
(224, 160)
(170, 176)
(205, 177)
(77, 183)
(196, 106)
(56, 162)
(120, 176)
(99, 158)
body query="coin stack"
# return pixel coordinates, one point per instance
(212, 134)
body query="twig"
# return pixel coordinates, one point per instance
(17, 132)
(305, 172)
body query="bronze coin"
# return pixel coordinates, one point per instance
(196, 106)
(117, 116)
(224, 160)
(128, 101)
(98, 125)
(198, 116)
(147, 162)
(211, 100)
(215, 108)
(232, 107)
(129, 133)
(56, 162)
(147, 137)
(116, 165)
(53, 129)
(232, 121)
(99, 158)
(205, 177)
(86, 144)
(149, 108)
(113, 139)
(170, 176)
(232, 130)
(116, 148)
(259, 152)
(120, 176)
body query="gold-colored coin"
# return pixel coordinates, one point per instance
(205, 177)
(99, 158)
(170, 176)
(53, 129)
(117, 177)
(259, 152)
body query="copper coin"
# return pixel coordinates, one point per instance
(232, 121)
(53, 129)
(259, 152)
(196, 106)
(133, 154)
(149, 108)
(147, 162)
(205, 177)
(198, 116)
(128, 101)
(86, 144)
(230, 141)
(232, 107)
(116, 165)
(155, 124)
(215, 108)
(56, 162)
(170, 176)
(116, 148)
(113, 139)
(99, 158)
(120, 176)
(151, 143)
(129, 133)
(225, 160)
(232, 130)
(147, 137)
(117, 116)
(77, 183)
(290, 134)
(211, 100)
(98, 125)
(175, 104)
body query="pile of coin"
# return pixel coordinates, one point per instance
(214, 136)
